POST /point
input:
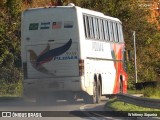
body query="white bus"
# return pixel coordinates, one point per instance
(72, 51)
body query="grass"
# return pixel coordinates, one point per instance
(149, 92)
(115, 104)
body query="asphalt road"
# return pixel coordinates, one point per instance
(58, 110)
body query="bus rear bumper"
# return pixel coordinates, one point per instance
(32, 87)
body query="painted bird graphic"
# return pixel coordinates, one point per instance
(47, 55)
(33, 59)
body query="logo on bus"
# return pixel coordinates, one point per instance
(47, 55)
(69, 55)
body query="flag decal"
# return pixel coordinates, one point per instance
(33, 26)
(56, 25)
(68, 24)
(45, 25)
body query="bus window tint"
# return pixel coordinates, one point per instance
(85, 28)
(104, 30)
(87, 21)
(101, 29)
(97, 28)
(107, 30)
(93, 30)
(111, 31)
(90, 27)
(115, 32)
(121, 39)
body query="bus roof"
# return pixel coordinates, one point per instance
(98, 14)
(83, 10)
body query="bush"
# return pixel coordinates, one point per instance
(10, 81)
(149, 91)
(13, 89)
(10, 75)
(153, 92)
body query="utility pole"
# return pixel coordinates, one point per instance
(135, 55)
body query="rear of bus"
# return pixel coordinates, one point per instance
(50, 50)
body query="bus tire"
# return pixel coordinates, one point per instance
(121, 87)
(98, 92)
(91, 99)
(94, 97)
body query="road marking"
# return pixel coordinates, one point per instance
(100, 117)
(82, 108)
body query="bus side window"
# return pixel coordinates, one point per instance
(99, 31)
(86, 26)
(122, 34)
(115, 32)
(94, 28)
(111, 31)
(107, 30)
(97, 28)
(87, 21)
(121, 39)
(102, 29)
(90, 27)
(119, 32)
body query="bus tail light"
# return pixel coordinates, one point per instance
(81, 67)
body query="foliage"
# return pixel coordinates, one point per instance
(10, 33)
(133, 17)
(10, 75)
(10, 62)
(151, 92)
(11, 89)
(117, 105)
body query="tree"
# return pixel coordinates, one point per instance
(10, 39)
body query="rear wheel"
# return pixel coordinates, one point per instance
(98, 93)
(121, 87)
(91, 99)
(96, 97)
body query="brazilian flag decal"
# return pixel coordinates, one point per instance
(33, 26)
